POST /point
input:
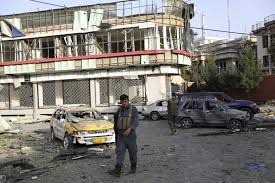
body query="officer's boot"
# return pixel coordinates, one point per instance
(115, 172)
(133, 168)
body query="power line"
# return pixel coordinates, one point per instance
(42, 2)
(216, 30)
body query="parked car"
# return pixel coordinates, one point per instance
(81, 125)
(156, 110)
(245, 105)
(208, 111)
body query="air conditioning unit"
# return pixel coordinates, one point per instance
(80, 21)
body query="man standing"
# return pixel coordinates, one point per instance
(172, 113)
(125, 124)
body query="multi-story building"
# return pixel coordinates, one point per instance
(92, 54)
(226, 52)
(265, 32)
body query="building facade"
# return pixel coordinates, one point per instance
(265, 32)
(92, 54)
(226, 52)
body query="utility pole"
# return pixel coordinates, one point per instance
(202, 27)
(228, 20)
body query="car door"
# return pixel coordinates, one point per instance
(214, 113)
(164, 108)
(160, 108)
(193, 109)
(55, 122)
(60, 124)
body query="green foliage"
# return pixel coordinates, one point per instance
(208, 77)
(249, 70)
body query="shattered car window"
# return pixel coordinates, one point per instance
(84, 116)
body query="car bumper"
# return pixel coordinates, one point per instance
(91, 139)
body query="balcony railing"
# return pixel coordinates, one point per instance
(261, 24)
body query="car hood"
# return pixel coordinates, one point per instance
(236, 112)
(92, 125)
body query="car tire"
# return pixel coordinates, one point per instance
(185, 123)
(68, 141)
(53, 138)
(235, 124)
(249, 112)
(154, 116)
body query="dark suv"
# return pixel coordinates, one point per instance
(245, 105)
(205, 110)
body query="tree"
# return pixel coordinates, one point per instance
(249, 70)
(192, 73)
(211, 74)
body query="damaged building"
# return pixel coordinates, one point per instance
(92, 54)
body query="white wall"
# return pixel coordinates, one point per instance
(260, 50)
(157, 88)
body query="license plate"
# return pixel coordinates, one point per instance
(99, 140)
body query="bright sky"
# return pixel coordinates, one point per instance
(243, 13)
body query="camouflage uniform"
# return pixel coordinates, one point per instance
(172, 114)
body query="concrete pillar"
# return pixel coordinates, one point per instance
(269, 56)
(93, 93)
(14, 97)
(178, 38)
(157, 88)
(109, 42)
(165, 43)
(156, 39)
(35, 101)
(40, 95)
(97, 92)
(58, 93)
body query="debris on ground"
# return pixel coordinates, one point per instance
(253, 166)
(75, 154)
(3, 179)
(15, 144)
(4, 125)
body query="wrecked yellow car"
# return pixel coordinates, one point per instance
(81, 125)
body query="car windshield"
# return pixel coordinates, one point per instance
(222, 105)
(227, 97)
(84, 116)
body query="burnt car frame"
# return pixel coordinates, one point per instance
(208, 111)
(245, 105)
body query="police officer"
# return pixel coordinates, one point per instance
(125, 124)
(172, 113)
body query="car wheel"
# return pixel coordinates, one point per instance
(235, 124)
(249, 112)
(53, 138)
(68, 142)
(154, 116)
(186, 123)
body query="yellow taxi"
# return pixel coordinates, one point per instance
(81, 125)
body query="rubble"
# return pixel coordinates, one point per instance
(15, 144)
(3, 179)
(4, 125)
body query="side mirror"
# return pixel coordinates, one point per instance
(106, 118)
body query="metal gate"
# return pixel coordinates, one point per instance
(76, 92)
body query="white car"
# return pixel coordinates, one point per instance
(156, 110)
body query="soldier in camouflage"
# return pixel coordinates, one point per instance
(172, 113)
